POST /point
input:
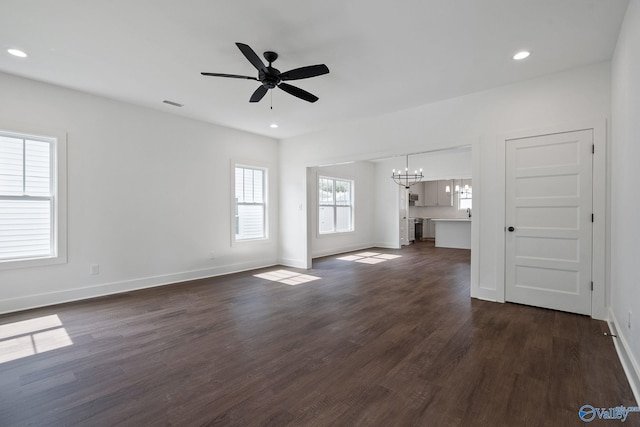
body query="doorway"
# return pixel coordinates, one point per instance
(549, 228)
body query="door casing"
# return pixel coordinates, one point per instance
(600, 246)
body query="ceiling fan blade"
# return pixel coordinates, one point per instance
(251, 56)
(305, 72)
(233, 76)
(297, 92)
(258, 94)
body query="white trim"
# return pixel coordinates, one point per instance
(629, 364)
(78, 294)
(599, 127)
(352, 184)
(294, 263)
(475, 289)
(59, 161)
(344, 249)
(266, 168)
(386, 245)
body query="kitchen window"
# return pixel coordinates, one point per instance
(32, 207)
(465, 198)
(335, 205)
(250, 203)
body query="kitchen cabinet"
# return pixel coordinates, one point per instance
(445, 198)
(429, 229)
(435, 193)
(430, 193)
(418, 190)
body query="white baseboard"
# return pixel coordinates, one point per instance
(629, 363)
(484, 299)
(387, 245)
(341, 250)
(292, 262)
(51, 298)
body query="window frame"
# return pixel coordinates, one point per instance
(58, 163)
(335, 206)
(234, 203)
(468, 196)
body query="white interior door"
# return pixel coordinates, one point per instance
(549, 221)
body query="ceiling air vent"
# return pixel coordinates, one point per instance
(175, 104)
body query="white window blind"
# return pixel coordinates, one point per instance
(26, 198)
(335, 205)
(250, 206)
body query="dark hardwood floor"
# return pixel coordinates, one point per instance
(394, 343)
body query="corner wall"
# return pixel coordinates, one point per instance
(625, 203)
(148, 195)
(362, 173)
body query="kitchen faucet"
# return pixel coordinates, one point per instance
(469, 212)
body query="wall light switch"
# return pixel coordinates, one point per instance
(94, 269)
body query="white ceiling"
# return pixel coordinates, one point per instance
(384, 56)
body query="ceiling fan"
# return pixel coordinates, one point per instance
(271, 77)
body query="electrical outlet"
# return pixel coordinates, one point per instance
(94, 269)
(629, 321)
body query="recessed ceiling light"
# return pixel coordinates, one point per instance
(17, 52)
(273, 125)
(521, 55)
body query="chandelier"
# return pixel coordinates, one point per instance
(406, 179)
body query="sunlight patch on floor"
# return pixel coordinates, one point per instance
(369, 257)
(287, 277)
(33, 336)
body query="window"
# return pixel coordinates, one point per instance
(29, 215)
(250, 203)
(335, 205)
(465, 196)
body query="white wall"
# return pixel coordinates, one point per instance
(625, 176)
(148, 195)
(386, 213)
(362, 173)
(559, 99)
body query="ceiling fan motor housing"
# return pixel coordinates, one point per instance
(270, 78)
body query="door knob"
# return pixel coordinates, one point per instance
(511, 229)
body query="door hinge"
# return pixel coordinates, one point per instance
(592, 218)
(592, 286)
(593, 148)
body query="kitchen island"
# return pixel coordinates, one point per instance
(453, 233)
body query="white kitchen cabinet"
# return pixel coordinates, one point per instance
(435, 193)
(429, 229)
(445, 198)
(418, 189)
(430, 193)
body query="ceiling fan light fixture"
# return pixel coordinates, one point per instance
(521, 55)
(17, 52)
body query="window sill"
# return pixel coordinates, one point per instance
(10, 264)
(249, 241)
(335, 233)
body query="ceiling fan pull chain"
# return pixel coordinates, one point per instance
(272, 100)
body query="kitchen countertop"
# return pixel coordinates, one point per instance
(452, 219)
